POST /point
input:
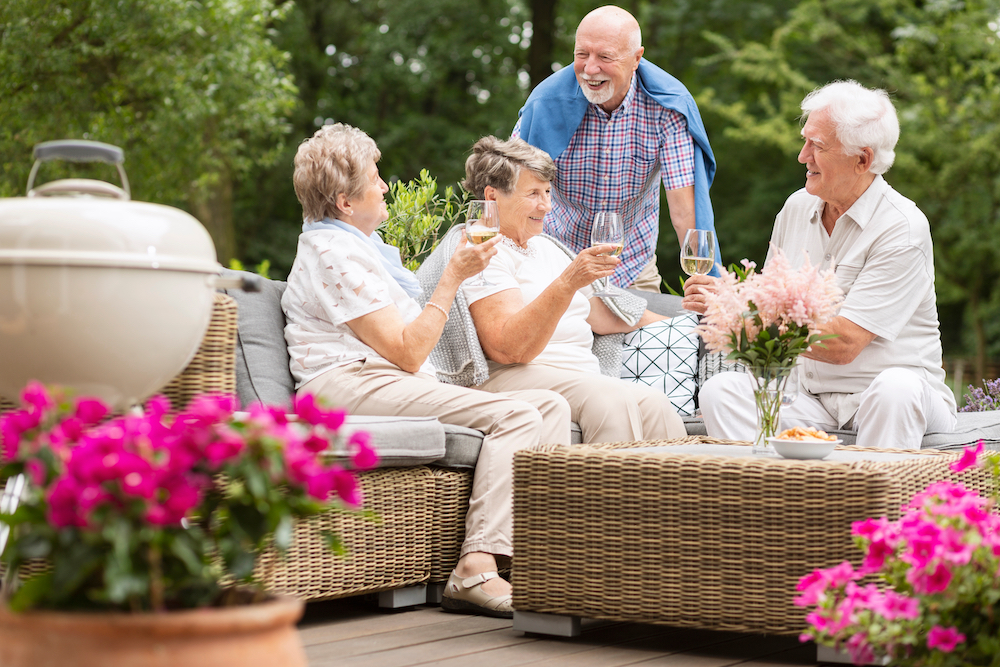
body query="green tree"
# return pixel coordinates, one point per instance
(424, 78)
(193, 90)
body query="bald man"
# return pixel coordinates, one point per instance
(616, 126)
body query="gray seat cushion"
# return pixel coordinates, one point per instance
(661, 304)
(970, 429)
(401, 442)
(462, 446)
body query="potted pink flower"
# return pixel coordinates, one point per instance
(928, 589)
(150, 513)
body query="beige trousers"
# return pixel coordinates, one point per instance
(649, 279)
(607, 409)
(512, 421)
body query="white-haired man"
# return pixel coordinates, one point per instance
(882, 372)
(614, 124)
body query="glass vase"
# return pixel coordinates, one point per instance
(771, 391)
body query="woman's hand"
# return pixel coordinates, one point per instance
(696, 289)
(469, 260)
(592, 263)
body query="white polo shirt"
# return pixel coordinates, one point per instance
(884, 260)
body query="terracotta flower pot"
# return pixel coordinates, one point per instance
(253, 635)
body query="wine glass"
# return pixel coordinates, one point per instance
(482, 222)
(607, 230)
(698, 252)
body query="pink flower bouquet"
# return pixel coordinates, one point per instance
(765, 321)
(935, 598)
(152, 510)
(769, 318)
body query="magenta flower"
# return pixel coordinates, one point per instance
(944, 639)
(36, 398)
(969, 458)
(316, 444)
(91, 411)
(307, 409)
(365, 457)
(926, 582)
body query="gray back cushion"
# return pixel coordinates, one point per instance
(661, 304)
(262, 373)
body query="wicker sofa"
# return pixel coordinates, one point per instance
(420, 492)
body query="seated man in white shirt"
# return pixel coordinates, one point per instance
(881, 374)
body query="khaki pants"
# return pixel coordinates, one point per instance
(607, 409)
(511, 421)
(649, 279)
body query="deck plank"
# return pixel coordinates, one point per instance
(354, 633)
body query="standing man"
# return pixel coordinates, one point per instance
(882, 372)
(614, 125)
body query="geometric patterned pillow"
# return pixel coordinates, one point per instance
(664, 355)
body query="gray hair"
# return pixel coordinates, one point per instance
(862, 118)
(613, 17)
(333, 161)
(498, 164)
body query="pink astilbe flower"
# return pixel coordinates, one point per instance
(785, 302)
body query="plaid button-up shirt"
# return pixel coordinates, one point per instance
(613, 163)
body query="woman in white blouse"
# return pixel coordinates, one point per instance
(536, 321)
(358, 339)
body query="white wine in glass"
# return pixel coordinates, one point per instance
(482, 222)
(698, 252)
(607, 230)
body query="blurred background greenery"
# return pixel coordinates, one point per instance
(209, 99)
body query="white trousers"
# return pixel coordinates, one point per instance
(896, 410)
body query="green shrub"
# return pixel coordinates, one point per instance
(418, 215)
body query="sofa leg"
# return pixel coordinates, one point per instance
(403, 597)
(547, 624)
(435, 592)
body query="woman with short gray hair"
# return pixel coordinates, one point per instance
(537, 319)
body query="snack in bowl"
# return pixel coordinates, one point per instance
(802, 442)
(804, 433)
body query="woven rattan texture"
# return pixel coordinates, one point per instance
(386, 552)
(212, 370)
(710, 542)
(447, 530)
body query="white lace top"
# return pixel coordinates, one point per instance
(336, 278)
(571, 342)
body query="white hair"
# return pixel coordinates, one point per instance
(862, 118)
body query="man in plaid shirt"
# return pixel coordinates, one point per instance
(613, 137)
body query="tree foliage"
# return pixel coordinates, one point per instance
(193, 90)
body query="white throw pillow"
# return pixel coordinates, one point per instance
(664, 355)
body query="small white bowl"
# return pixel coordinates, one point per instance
(803, 449)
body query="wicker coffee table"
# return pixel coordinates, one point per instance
(692, 532)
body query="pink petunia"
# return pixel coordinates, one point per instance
(969, 459)
(944, 639)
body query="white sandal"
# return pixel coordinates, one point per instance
(466, 596)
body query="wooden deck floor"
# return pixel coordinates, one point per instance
(353, 633)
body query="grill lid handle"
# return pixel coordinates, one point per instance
(79, 150)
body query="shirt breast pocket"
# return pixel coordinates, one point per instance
(637, 172)
(847, 274)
